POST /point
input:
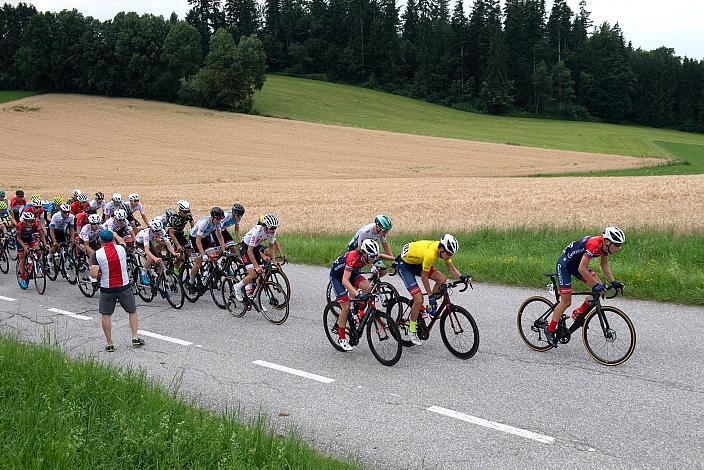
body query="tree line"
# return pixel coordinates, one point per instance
(137, 56)
(522, 59)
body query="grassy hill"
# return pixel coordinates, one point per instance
(10, 95)
(331, 103)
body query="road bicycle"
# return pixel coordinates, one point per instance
(269, 297)
(383, 335)
(61, 262)
(608, 334)
(33, 269)
(86, 284)
(385, 290)
(10, 244)
(166, 282)
(458, 329)
(4, 257)
(210, 278)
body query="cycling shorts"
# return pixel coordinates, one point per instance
(340, 291)
(565, 273)
(408, 273)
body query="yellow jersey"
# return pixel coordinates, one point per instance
(423, 252)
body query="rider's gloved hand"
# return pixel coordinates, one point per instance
(362, 295)
(465, 278)
(379, 264)
(599, 288)
(617, 285)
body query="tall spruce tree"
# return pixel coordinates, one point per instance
(241, 17)
(496, 87)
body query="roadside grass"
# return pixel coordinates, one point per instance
(332, 103)
(57, 412)
(10, 95)
(654, 265)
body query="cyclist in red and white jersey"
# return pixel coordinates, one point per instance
(252, 249)
(28, 235)
(36, 207)
(119, 226)
(17, 204)
(90, 233)
(80, 204)
(153, 239)
(575, 262)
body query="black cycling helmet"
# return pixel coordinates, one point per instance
(217, 213)
(238, 209)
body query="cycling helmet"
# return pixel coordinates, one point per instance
(117, 198)
(134, 197)
(120, 214)
(76, 192)
(269, 221)
(99, 195)
(27, 217)
(369, 248)
(3, 205)
(36, 202)
(615, 235)
(238, 209)
(19, 193)
(217, 213)
(2, 193)
(65, 207)
(58, 201)
(169, 213)
(449, 243)
(183, 206)
(82, 198)
(94, 219)
(383, 222)
(156, 225)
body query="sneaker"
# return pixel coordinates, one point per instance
(109, 348)
(137, 342)
(144, 278)
(550, 337)
(413, 335)
(344, 344)
(239, 294)
(24, 283)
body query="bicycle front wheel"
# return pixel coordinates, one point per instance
(4, 261)
(459, 332)
(11, 248)
(216, 291)
(400, 310)
(384, 338)
(331, 315)
(533, 316)
(68, 268)
(172, 287)
(281, 278)
(609, 337)
(234, 306)
(85, 285)
(39, 275)
(386, 292)
(271, 298)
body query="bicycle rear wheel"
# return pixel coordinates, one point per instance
(459, 332)
(39, 274)
(384, 338)
(533, 316)
(51, 269)
(172, 287)
(271, 299)
(609, 338)
(191, 292)
(216, 291)
(85, 285)
(329, 293)
(386, 292)
(234, 306)
(68, 268)
(4, 261)
(331, 315)
(11, 248)
(400, 310)
(145, 292)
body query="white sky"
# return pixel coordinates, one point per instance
(649, 24)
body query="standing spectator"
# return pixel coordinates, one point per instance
(110, 264)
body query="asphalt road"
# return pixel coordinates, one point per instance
(507, 407)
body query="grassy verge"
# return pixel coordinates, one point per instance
(655, 266)
(331, 103)
(56, 412)
(10, 95)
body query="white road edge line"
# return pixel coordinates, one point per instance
(9, 299)
(492, 425)
(69, 314)
(164, 338)
(300, 373)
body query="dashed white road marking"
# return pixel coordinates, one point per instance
(164, 338)
(9, 299)
(492, 425)
(69, 314)
(300, 373)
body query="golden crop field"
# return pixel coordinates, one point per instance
(319, 177)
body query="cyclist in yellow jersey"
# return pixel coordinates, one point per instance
(417, 259)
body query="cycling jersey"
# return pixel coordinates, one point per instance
(17, 204)
(148, 235)
(59, 222)
(205, 226)
(178, 222)
(257, 235)
(422, 252)
(586, 246)
(89, 234)
(95, 204)
(137, 208)
(78, 207)
(81, 220)
(230, 220)
(5, 215)
(116, 225)
(111, 207)
(38, 212)
(364, 233)
(350, 261)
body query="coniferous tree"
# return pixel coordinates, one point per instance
(542, 84)
(460, 30)
(13, 21)
(558, 31)
(496, 87)
(241, 17)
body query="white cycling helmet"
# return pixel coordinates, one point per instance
(449, 243)
(120, 214)
(183, 206)
(269, 221)
(134, 197)
(82, 198)
(27, 217)
(36, 202)
(615, 235)
(156, 225)
(94, 219)
(117, 198)
(369, 248)
(65, 207)
(76, 192)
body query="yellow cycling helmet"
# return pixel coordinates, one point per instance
(3, 205)
(58, 201)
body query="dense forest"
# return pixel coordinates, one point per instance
(527, 58)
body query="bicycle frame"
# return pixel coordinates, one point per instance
(446, 304)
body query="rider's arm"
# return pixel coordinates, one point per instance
(119, 239)
(148, 252)
(199, 244)
(584, 271)
(172, 236)
(53, 235)
(387, 250)
(348, 285)
(42, 236)
(169, 246)
(606, 269)
(144, 218)
(453, 270)
(238, 236)
(218, 234)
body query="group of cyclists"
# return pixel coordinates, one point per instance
(80, 220)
